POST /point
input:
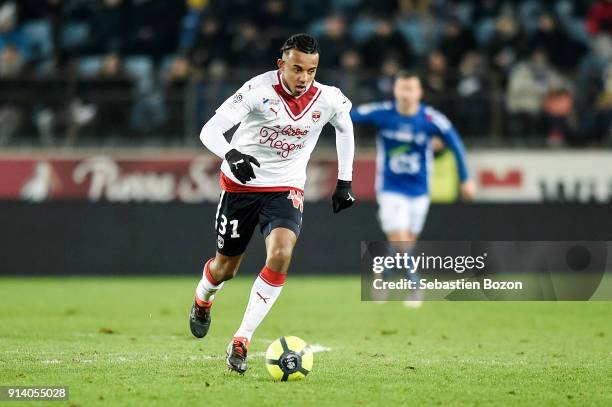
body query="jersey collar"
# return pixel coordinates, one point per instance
(296, 107)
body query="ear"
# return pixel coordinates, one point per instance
(280, 63)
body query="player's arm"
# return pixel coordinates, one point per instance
(453, 141)
(343, 196)
(365, 113)
(230, 113)
(212, 135)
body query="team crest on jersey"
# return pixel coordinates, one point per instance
(316, 115)
(297, 198)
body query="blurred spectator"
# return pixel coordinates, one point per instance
(529, 81)
(108, 26)
(106, 97)
(10, 117)
(11, 61)
(472, 75)
(350, 60)
(562, 51)
(349, 77)
(190, 23)
(386, 43)
(276, 23)
(154, 27)
(9, 33)
(472, 90)
(210, 44)
(455, 42)
(218, 85)
(593, 105)
(179, 70)
(11, 114)
(599, 128)
(176, 85)
(599, 18)
(560, 120)
(384, 81)
(111, 67)
(437, 81)
(505, 44)
(247, 45)
(333, 42)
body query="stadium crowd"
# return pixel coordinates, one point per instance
(118, 71)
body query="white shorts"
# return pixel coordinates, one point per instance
(397, 212)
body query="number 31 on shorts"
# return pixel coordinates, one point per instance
(223, 226)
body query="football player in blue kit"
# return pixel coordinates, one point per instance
(405, 130)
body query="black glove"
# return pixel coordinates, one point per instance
(240, 164)
(343, 196)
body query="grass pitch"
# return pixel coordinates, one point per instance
(127, 342)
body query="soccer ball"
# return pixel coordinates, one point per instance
(289, 358)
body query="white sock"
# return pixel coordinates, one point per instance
(207, 287)
(266, 289)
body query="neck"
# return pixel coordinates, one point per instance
(285, 86)
(407, 109)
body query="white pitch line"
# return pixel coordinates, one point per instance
(205, 357)
(315, 348)
(51, 361)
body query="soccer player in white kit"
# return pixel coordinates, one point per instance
(281, 114)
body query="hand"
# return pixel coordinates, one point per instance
(343, 196)
(468, 190)
(240, 165)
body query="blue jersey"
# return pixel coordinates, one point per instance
(404, 145)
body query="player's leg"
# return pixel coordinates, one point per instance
(269, 283)
(235, 221)
(216, 271)
(281, 219)
(393, 216)
(264, 293)
(406, 242)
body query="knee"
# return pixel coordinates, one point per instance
(279, 255)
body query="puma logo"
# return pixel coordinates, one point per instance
(350, 198)
(238, 162)
(264, 299)
(275, 112)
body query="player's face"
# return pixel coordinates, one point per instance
(408, 91)
(298, 70)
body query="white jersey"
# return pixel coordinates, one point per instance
(280, 130)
